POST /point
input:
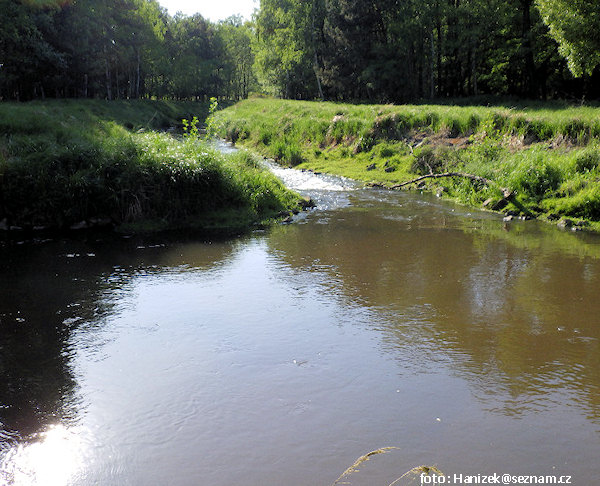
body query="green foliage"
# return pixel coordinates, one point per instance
(284, 47)
(587, 160)
(431, 160)
(120, 49)
(386, 150)
(374, 50)
(486, 144)
(536, 151)
(379, 50)
(286, 152)
(89, 168)
(238, 58)
(575, 26)
(190, 127)
(534, 176)
(211, 129)
(584, 203)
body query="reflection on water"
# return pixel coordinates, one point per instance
(52, 459)
(279, 358)
(527, 315)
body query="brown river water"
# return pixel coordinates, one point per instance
(278, 358)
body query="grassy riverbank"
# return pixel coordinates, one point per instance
(73, 164)
(539, 160)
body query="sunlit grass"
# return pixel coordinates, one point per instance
(547, 154)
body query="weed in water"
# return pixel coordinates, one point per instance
(411, 475)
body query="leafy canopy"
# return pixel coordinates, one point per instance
(575, 25)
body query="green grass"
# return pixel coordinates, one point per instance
(63, 162)
(548, 154)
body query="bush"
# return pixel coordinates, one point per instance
(431, 160)
(587, 161)
(584, 204)
(386, 151)
(535, 177)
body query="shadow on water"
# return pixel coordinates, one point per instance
(50, 291)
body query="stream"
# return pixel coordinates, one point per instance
(377, 319)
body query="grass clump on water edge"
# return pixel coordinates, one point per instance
(545, 156)
(61, 167)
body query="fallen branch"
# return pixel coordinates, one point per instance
(508, 195)
(447, 174)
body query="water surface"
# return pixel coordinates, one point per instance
(278, 358)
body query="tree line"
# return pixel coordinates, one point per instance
(403, 50)
(119, 49)
(350, 50)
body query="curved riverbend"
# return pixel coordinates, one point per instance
(378, 319)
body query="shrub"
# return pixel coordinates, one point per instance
(587, 161)
(386, 151)
(104, 171)
(431, 160)
(293, 155)
(535, 177)
(584, 204)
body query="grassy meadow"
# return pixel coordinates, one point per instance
(545, 155)
(76, 164)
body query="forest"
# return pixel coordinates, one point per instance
(379, 51)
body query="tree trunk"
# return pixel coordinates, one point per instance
(108, 86)
(137, 80)
(117, 91)
(472, 65)
(432, 68)
(316, 58)
(439, 57)
(530, 78)
(316, 69)
(474, 74)
(287, 86)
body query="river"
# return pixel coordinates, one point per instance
(278, 358)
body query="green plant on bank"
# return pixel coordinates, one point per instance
(190, 128)
(211, 128)
(546, 154)
(89, 168)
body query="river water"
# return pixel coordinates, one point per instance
(278, 358)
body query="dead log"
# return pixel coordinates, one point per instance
(473, 177)
(508, 195)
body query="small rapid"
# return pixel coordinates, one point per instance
(327, 191)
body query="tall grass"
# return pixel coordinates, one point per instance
(309, 121)
(63, 163)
